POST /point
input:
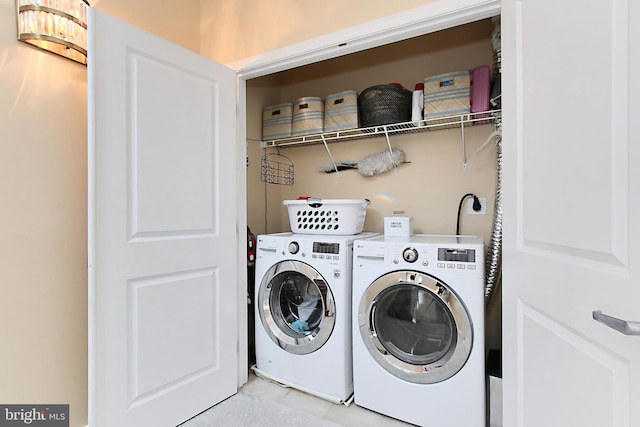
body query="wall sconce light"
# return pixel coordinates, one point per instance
(58, 26)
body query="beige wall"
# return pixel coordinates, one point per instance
(238, 29)
(43, 255)
(175, 20)
(43, 214)
(261, 92)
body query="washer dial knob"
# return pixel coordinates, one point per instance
(410, 255)
(294, 247)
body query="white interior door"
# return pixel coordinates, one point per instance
(162, 229)
(571, 212)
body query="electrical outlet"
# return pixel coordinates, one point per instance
(483, 204)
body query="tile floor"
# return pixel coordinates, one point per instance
(348, 416)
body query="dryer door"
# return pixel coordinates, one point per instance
(415, 327)
(296, 307)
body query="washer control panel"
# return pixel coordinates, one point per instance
(316, 250)
(327, 251)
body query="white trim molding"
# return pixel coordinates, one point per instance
(401, 26)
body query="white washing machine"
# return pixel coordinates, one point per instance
(418, 329)
(303, 312)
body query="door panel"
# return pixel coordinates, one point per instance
(599, 378)
(163, 255)
(571, 213)
(179, 197)
(588, 65)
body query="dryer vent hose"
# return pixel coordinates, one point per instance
(493, 267)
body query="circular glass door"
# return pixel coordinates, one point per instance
(415, 327)
(296, 307)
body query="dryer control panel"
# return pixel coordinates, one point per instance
(450, 255)
(457, 258)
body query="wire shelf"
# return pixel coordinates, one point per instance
(438, 123)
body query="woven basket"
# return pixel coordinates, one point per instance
(384, 104)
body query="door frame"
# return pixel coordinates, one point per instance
(422, 20)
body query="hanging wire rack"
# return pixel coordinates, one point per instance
(276, 168)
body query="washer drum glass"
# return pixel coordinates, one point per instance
(296, 307)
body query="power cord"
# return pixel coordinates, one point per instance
(476, 207)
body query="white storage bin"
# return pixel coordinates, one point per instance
(327, 216)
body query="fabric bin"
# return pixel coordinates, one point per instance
(276, 121)
(341, 111)
(308, 116)
(447, 95)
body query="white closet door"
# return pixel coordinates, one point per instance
(571, 212)
(162, 229)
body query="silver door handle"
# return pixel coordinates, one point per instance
(623, 326)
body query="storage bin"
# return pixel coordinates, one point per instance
(384, 105)
(327, 216)
(341, 111)
(447, 95)
(276, 121)
(308, 116)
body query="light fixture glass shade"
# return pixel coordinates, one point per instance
(58, 26)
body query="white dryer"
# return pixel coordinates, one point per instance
(418, 329)
(303, 312)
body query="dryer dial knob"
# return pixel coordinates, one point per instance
(410, 255)
(294, 247)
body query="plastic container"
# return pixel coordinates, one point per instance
(417, 104)
(327, 216)
(480, 92)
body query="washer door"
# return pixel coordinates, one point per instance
(296, 307)
(415, 327)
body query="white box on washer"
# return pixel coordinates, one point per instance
(398, 226)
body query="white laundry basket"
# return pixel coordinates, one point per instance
(327, 216)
